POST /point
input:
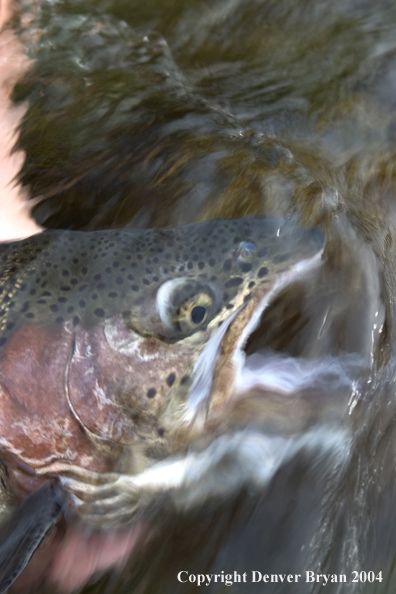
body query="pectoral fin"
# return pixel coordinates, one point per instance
(23, 532)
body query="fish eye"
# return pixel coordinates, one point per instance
(187, 305)
(193, 312)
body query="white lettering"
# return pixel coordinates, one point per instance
(256, 576)
(179, 576)
(309, 576)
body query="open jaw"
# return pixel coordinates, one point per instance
(221, 371)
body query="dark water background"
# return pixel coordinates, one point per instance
(167, 112)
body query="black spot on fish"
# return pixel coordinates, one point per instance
(97, 277)
(234, 282)
(3, 340)
(54, 308)
(113, 294)
(151, 393)
(76, 321)
(245, 266)
(99, 312)
(262, 272)
(10, 325)
(25, 306)
(212, 262)
(201, 265)
(227, 265)
(30, 315)
(185, 380)
(251, 284)
(135, 288)
(59, 320)
(62, 299)
(170, 380)
(70, 309)
(247, 298)
(82, 303)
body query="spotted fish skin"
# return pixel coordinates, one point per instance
(87, 277)
(100, 332)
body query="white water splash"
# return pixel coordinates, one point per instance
(288, 375)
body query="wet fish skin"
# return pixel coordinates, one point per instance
(87, 277)
(101, 331)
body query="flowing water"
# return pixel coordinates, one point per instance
(169, 112)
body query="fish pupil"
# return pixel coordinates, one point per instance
(198, 314)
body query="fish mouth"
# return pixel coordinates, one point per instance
(221, 372)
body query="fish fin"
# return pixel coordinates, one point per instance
(23, 532)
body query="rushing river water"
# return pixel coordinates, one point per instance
(170, 112)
